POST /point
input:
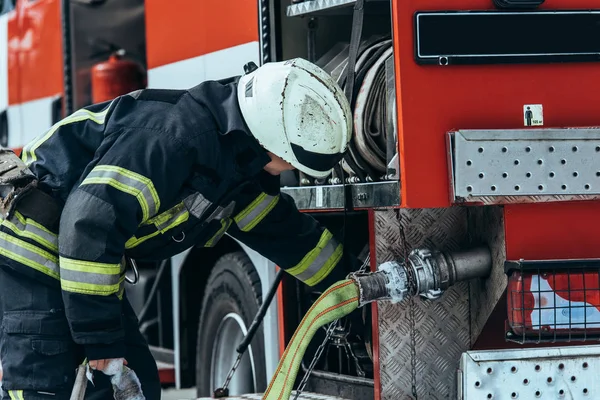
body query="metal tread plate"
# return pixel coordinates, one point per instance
(311, 6)
(543, 373)
(318, 6)
(447, 327)
(441, 326)
(528, 165)
(303, 396)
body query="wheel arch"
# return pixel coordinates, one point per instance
(196, 268)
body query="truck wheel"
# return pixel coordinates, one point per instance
(231, 300)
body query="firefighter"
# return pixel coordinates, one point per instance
(145, 177)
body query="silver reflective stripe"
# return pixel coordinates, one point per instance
(28, 254)
(129, 182)
(256, 211)
(196, 204)
(319, 261)
(181, 211)
(87, 277)
(30, 229)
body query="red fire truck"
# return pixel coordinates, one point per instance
(475, 125)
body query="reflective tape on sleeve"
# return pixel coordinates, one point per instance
(27, 228)
(129, 182)
(90, 277)
(29, 255)
(256, 212)
(318, 262)
(163, 223)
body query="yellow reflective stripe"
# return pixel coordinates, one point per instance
(90, 288)
(244, 213)
(78, 116)
(16, 394)
(178, 218)
(170, 218)
(136, 177)
(225, 224)
(251, 216)
(32, 222)
(124, 188)
(89, 266)
(134, 241)
(90, 277)
(318, 262)
(28, 254)
(30, 229)
(329, 265)
(129, 182)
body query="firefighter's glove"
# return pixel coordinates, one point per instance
(125, 383)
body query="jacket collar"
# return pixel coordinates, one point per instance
(219, 98)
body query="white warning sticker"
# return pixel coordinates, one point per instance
(319, 196)
(533, 115)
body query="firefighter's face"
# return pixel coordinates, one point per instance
(277, 165)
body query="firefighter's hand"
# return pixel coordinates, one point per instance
(101, 365)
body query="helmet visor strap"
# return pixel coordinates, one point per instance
(316, 161)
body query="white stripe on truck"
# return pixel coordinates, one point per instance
(217, 65)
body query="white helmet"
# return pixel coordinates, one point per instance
(298, 112)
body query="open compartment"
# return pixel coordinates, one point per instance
(324, 32)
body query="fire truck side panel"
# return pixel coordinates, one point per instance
(434, 99)
(34, 68)
(12, 48)
(552, 230)
(203, 44)
(40, 49)
(13, 92)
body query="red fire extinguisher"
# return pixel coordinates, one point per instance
(116, 77)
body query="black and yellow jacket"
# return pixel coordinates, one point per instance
(149, 175)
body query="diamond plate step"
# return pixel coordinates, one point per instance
(548, 373)
(303, 396)
(528, 165)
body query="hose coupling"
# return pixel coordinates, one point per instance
(428, 274)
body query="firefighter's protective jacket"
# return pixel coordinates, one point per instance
(149, 175)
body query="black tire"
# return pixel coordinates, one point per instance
(233, 287)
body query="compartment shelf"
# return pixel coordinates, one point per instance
(331, 197)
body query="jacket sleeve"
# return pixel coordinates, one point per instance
(296, 242)
(135, 172)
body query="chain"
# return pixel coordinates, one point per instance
(365, 264)
(316, 357)
(321, 347)
(411, 311)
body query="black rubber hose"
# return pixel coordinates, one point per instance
(261, 313)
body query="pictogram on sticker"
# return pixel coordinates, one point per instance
(533, 115)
